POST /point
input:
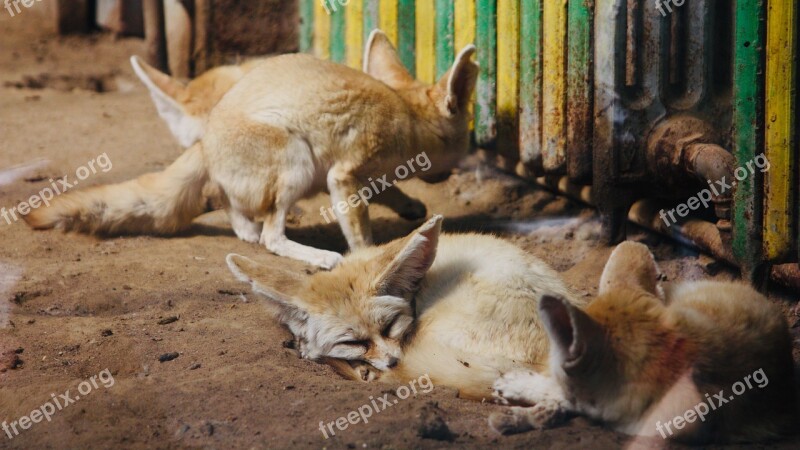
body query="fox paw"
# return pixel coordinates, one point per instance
(328, 260)
(365, 372)
(521, 388)
(519, 420)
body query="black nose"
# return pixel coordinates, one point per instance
(392, 362)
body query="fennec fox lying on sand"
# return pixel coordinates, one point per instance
(459, 308)
(291, 127)
(705, 362)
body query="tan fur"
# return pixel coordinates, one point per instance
(159, 203)
(473, 309)
(636, 361)
(292, 127)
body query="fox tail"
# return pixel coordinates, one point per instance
(155, 203)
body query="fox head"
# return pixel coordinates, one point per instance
(617, 355)
(362, 310)
(186, 106)
(442, 108)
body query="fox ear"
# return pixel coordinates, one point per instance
(405, 272)
(288, 307)
(382, 62)
(631, 265)
(459, 82)
(573, 334)
(165, 92)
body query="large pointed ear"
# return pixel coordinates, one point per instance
(382, 62)
(288, 307)
(574, 336)
(631, 265)
(166, 92)
(458, 83)
(405, 272)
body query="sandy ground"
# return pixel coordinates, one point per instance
(72, 306)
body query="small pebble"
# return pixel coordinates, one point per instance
(168, 357)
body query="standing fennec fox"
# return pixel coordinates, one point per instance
(459, 308)
(702, 362)
(291, 127)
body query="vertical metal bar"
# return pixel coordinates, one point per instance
(530, 85)
(355, 33)
(554, 95)
(406, 35)
(780, 145)
(748, 127)
(486, 93)
(464, 23)
(387, 18)
(508, 78)
(322, 30)
(426, 40)
(338, 39)
(579, 91)
(306, 25)
(371, 16)
(445, 33)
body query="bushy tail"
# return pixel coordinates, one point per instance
(157, 203)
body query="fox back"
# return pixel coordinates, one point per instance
(700, 362)
(459, 308)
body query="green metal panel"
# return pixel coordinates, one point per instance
(579, 92)
(371, 11)
(338, 39)
(306, 25)
(530, 88)
(445, 31)
(748, 127)
(486, 98)
(406, 37)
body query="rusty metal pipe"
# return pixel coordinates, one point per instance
(711, 163)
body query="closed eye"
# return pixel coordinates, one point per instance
(356, 343)
(388, 327)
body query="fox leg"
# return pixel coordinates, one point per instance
(353, 370)
(273, 236)
(354, 217)
(406, 207)
(550, 406)
(245, 229)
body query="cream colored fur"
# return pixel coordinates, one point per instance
(460, 308)
(291, 127)
(637, 357)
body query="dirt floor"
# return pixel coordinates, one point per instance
(72, 306)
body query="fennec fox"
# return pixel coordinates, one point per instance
(460, 308)
(185, 107)
(704, 362)
(293, 126)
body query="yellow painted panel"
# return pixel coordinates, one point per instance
(387, 18)
(465, 24)
(322, 31)
(780, 139)
(465, 31)
(507, 75)
(426, 40)
(355, 33)
(554, 84)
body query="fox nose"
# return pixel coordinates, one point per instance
(392, 363)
